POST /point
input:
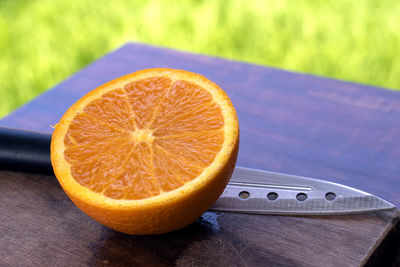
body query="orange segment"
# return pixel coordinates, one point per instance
(144, 96)
(198, 148)
(148, 152)
(86, 129)
(94, 165)
(171, 170)
(93, 150)
(187, 108)
(112, 108)
(137, 180)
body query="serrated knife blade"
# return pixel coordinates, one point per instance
(263, 192)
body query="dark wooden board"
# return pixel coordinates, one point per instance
(40, 226)
(289, 122)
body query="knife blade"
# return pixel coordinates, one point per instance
(263, 192)
(248, 191)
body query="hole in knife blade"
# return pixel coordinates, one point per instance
(301, 196)
(330, 196)
(272, 196)
(244, 195)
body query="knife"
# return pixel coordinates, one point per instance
(248, 191)
(277, 193)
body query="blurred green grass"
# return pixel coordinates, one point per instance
(43, 42)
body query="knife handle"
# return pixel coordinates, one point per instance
(25, 151)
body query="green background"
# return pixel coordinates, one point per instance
(43, 42)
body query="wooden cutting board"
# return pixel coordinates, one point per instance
(289, 122)
(40, 226)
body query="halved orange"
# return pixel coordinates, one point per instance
(148, 152)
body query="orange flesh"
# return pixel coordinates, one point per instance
(151, 136)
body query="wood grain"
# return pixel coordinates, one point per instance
(40, 226)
